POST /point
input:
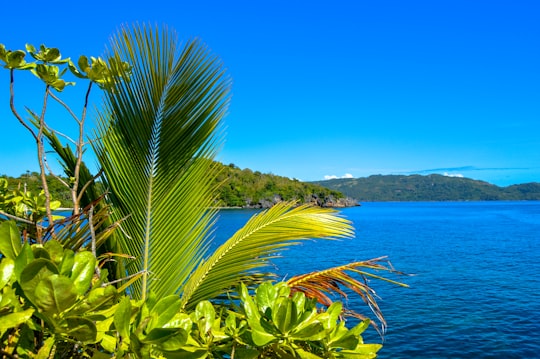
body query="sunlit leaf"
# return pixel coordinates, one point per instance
(10, 239)
(83, 270)
(54, 294)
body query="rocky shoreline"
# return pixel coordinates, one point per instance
(327, 202)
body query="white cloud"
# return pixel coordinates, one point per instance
(346, 175)
(452, 174)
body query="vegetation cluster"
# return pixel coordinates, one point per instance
(237, 188)
(434, 187)
(247, 188)
(129, 272)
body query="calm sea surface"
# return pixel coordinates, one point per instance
(476, 288)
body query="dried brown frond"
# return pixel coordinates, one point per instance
(340, 280)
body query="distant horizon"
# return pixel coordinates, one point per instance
(347, 176)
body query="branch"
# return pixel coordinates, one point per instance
(123, 279)
(88, 183)
(42, 159)
(93, 234)
(55, 175)
(14, 110)
(68, 109)
(76, 195)
(19, 219)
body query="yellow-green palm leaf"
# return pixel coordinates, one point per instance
(156, 141)
(249, 249)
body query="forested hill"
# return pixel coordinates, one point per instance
(247, 188)
(428, 188)
(239, 188)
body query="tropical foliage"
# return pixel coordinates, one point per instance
(247, 188)
(128, 273)
(236, 188)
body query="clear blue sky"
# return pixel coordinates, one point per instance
(333, 88)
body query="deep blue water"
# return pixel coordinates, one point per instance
(476, 288)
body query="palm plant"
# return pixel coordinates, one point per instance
(157, 138)
(158, 135)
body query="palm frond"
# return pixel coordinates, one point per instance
(337, 280)
(156, 141)
(91, 224)
(250, 248)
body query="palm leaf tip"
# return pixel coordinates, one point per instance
(248, 251)
(340, 280)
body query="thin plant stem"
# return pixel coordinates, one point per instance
(14, 110)
(41, 159)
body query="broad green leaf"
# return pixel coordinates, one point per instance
(30, 48)
(13, 320)
(360, 327)
(109, 343)
(187, 353)
(122, 317)
(75, 71)
(81, 329)
(10, 239)
(283, 314)
(266, 295)
(66, 265)
(368, 350)
(312, 331)
(180, 320)
(83, 63)
(54, 294)
(34, 273)
(40, 252)
(15, 59)
(44, 352)
(246, 353)
(174, 342)
(299, 299)
(160, 335)
(348, 341)
(261, 337)
(3, 53)
(7, 270)
(165, 309)
(23, 259)
(83, 270)
(306, 355)
(99, 296)
(205, 315)
(250, 308)
(55, 250)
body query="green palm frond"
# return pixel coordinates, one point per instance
(92, 224)
(337, 280)
(250, 248)
(156, 142)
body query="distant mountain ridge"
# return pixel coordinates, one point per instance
(433, 187)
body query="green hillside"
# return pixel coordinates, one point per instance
(247, 188)
(239, 188)
(253, 189)
(428, 188)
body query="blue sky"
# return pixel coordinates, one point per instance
(340, 88)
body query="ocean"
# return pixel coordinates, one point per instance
(475, 292)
